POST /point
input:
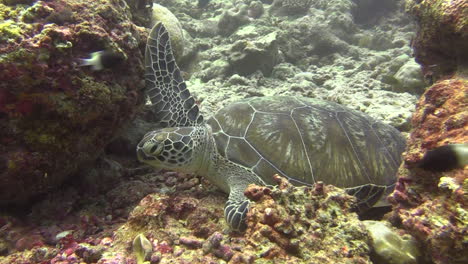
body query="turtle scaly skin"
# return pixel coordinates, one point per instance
(305, 140)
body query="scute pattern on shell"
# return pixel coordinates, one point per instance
(308, 140)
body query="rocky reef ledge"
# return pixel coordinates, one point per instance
(185, 224)
(57, 117)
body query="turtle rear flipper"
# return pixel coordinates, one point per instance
(370, 195)
(171, 100)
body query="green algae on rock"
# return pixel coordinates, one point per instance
(142, 248)
(248, 57)
(441, 43)
(391, 247)
(58, 116)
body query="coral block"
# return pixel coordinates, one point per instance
(305, 224)
(55, 116)
(433, 206)
(442, 39)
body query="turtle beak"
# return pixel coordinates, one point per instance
(146, 154)
(142, 155)
(142, 149)
(149, 149)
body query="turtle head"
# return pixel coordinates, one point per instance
(170, 148)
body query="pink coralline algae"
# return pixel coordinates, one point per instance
(54, 115)
(285, 224)
(305, 224)
(183, 226)
(432, 206)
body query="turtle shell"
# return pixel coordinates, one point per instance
(308, 140)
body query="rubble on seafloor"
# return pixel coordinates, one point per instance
(330, 50)
(75, 225)
(286, 224)
(185, 224)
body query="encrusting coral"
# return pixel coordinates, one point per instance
(55, 115)
(286, 223)
(424, 204)
(441, 43)
(308, 224)
(431, 205)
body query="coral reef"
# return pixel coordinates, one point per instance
(424, 204)
(283, 225)
(248, 57)
(301, 224)
(431, 205)
(76, 225)
(442, 39)
(290, 7)
(182, 222)
(325, 53)
(56, 116)
(329, 51)
(178, 224)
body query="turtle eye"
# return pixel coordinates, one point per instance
(154, 148)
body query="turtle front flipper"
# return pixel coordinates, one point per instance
(235, 213)
(237, 206)
(172, 103)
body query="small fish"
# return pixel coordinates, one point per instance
(103, 59)
(448, 157)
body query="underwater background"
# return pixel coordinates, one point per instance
(72, 190)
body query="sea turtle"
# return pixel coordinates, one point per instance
(303, 139)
